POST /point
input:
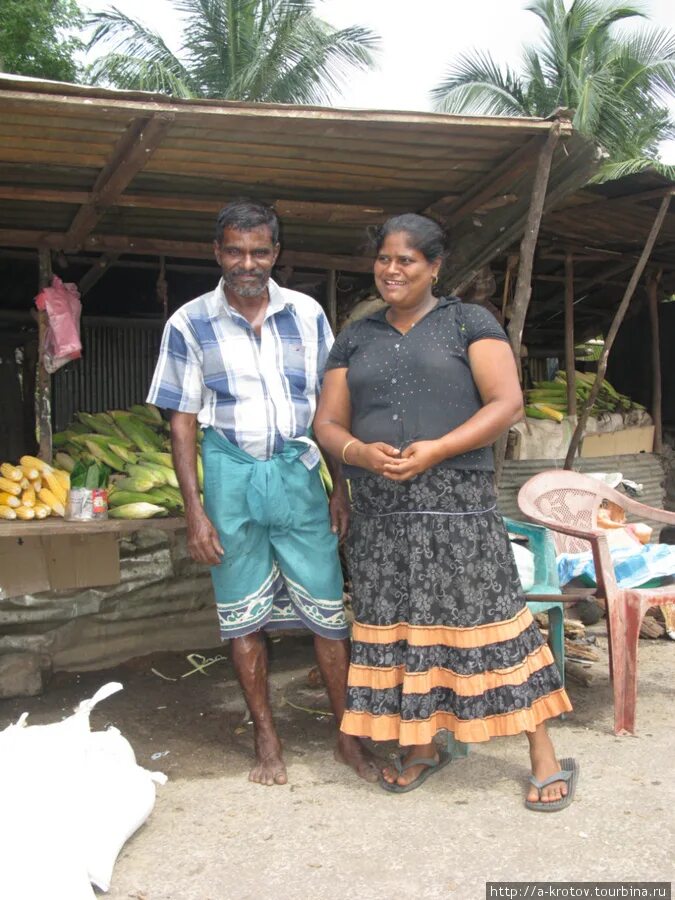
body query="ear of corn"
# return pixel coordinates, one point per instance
(6, 512)
(106, 455)
(25, 512)
(41, 511)
(65, 461)
(10, 487)
(137, 511)
(55, 486)
(549, 412)
(32, 462)
(9, 500)
(48, 498)
(13, 473)
(138, 484)
(30, 472)
(28, 497)
(63, 478)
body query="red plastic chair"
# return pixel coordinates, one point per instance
(568, 503)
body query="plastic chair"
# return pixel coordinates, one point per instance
(540, 542)
(568, 503)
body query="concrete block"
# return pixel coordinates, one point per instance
(20, 675)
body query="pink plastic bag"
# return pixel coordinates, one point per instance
(62, 303)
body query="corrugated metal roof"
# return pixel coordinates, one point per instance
(94, 169)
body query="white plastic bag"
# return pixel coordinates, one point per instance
(70, 799)
(525, 565)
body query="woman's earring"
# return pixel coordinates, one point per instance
(434, 280)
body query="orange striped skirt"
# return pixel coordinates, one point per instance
(442, 637)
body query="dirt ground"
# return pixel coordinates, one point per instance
(213, 835)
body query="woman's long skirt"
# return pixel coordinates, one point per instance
(442, 637)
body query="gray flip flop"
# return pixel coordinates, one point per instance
(432, 767)
(569, 772)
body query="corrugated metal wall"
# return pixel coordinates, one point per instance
(118, 359)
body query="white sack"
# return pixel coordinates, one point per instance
(70, 799)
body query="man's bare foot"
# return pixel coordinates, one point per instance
(544, 764)
(269, 766)
(351, 752)
(421, 751)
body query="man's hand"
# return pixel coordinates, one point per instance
(202, 539)
(414, 460)
(338, 506)
(373, 457)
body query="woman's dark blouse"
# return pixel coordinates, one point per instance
(416, 386)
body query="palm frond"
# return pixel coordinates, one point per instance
(613, 170)
(476, 84)
(137, 57)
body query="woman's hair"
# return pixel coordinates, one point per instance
(423, 233)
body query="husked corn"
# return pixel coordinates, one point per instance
(9, 500)
(25, 512)
(7, 470)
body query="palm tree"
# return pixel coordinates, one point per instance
(616, 82)
(254, 50)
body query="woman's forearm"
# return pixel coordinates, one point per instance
(332, 438)
(482, 429)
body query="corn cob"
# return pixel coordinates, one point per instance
(101, 423)
(137, 511)
(139, 484)
(54, 485)
(168, 475)
(7, 512)
(549, 412)
(200, 471)
(37, 485)
(157, 457)
(28, 497)
(42, 511)
(30, 472)
(25, 512)
(148, 413)
(125, 498)
(63, 478)
(136, 430)
(106, 455)
(65, 461)
(48, 498)
(9, 500)
(123, 452)
(24, 484)
(13, 473)
(533, 413)
(147, 471)
(32, 462)
(10, 487)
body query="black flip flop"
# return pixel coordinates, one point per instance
(569, 772)
(433, 766)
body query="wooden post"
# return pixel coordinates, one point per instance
(613, 331)
(43, 405)
(331, 298)
(570, 366)
(163, 288)
(523, 291)
(653, 295)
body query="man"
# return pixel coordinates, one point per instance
(245, 363)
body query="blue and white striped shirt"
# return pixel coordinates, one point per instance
(258, 392)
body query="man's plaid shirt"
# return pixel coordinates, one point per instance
(256, 392)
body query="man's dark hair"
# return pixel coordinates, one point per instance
(423, 234)
(244, 214)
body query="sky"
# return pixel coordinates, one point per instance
(419, 40)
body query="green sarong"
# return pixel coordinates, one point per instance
(281, 567)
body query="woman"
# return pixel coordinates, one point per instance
(412, 400)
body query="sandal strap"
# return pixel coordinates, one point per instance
(428, 761)
(562, 775)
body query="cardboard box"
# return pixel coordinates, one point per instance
(57, 562)
(619, 443)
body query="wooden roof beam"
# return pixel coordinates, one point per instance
(452, 209)
(116, 243)
(131, 153)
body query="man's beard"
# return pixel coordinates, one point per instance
(248, 289)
